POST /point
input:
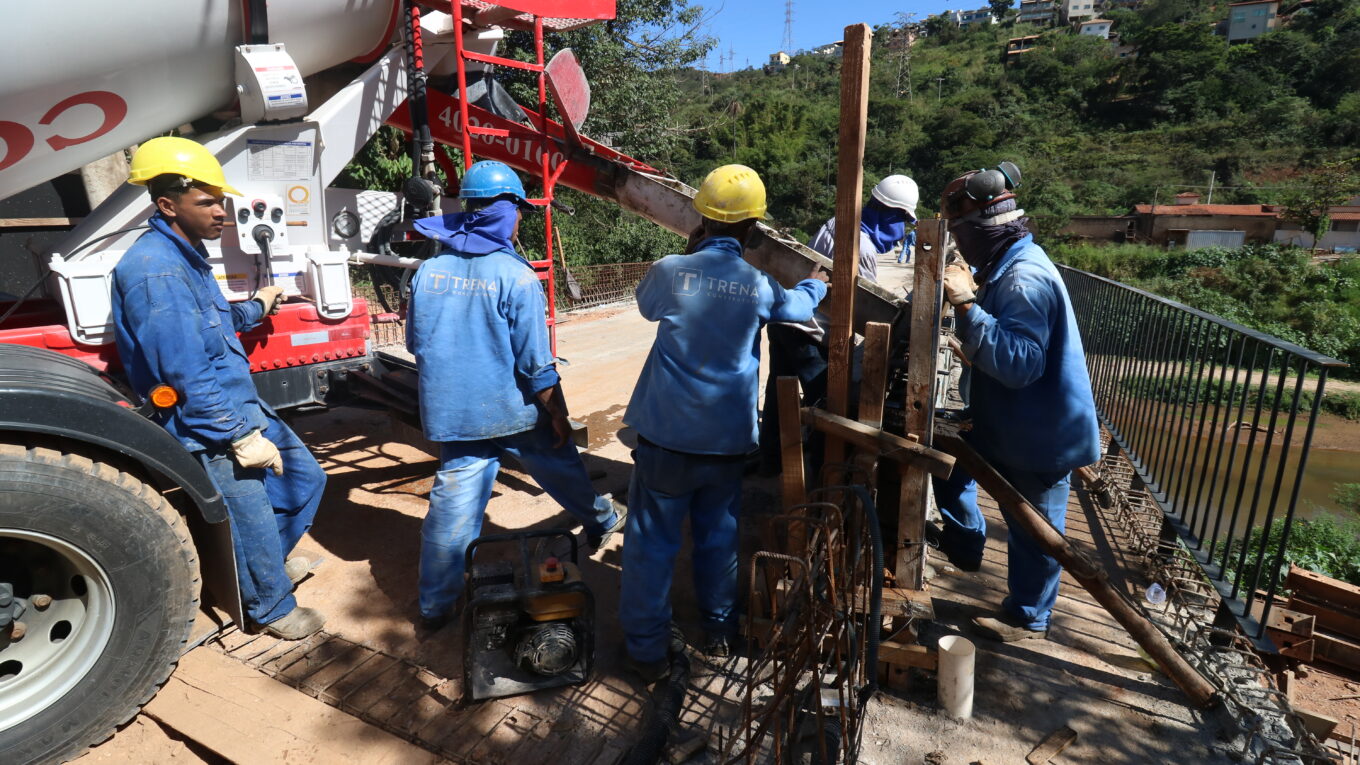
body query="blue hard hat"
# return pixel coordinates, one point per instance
(489, 179)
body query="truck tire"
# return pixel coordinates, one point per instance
(120, 578)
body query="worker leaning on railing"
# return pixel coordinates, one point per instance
(1026, 387)
(177, 338)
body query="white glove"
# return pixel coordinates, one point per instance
(269, 297)
(959, 287)
(256, 451)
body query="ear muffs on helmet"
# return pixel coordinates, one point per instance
(974, 191)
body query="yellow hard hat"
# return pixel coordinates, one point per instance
(181, 157)
(730, 194)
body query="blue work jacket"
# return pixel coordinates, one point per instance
(173, 325)
(697, 392)
(1028, 388)
(476, 324)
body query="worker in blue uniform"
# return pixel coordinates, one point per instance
(799, 348)
(694, 412)
(1026, 385)
(488, 382)
(176, 332)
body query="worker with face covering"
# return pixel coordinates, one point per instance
(798, 349)
(488, 382)
(694, 411)
(1026, 386)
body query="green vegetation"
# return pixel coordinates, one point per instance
(1327, 544)
(1272, 288)
(1181, 390)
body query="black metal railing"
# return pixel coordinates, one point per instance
(1209, 413)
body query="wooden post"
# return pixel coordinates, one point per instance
(849, 189)
(910, 565)
(791, 482)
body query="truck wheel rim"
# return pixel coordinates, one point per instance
(62, 641)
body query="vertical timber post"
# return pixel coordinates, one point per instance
(923, 349)
(849, 189)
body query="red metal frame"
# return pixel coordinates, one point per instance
(548, 177)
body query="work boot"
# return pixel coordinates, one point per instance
(1004, 628)
(649, 671)
(297, 568)
(296, 624)
(718, 645)
(620, 518)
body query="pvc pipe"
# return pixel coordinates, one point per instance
(955, 681)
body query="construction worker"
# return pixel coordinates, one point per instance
(694, 412)
(1027, 389)
(174, 328)
(799, 349)
(488, 382)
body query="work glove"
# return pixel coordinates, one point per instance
(269, 297)
(256, 451)
(959, 287)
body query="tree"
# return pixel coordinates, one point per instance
(1327, 185)
(1000, 8)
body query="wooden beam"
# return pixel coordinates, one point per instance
(908, 655)
(38, 222)
(873, 386)
(909, 566)
(892, 447)
(1051, 746)
(849, 190)
(1089, 574)
(791, 481)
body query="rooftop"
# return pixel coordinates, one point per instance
(1260, 211)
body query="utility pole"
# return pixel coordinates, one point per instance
(1213, 175)
(731, 57)
(939, 88)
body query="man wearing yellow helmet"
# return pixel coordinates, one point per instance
(694, 411)
(174, 327)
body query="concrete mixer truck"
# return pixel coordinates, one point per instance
(107, 524)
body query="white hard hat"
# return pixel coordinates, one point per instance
(898, 191)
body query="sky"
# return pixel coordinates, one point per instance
(748, 31)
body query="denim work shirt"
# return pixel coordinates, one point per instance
(477, 326)
(173, 325)
(697, 392)
(1028, 388)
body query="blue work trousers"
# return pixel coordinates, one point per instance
(667, 487)
(462, 487)
(1032, 575)
(269, 514)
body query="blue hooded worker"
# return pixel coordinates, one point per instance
(799, 349)
(1026, 386)
(489, 386)
(694, 411)
(177, 338)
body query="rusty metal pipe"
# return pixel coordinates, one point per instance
(1086, 571)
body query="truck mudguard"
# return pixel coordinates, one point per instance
(42, 391)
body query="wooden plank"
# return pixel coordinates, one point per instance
(1328, 617)
(1051, 746)
(874, 383)
(244, 715)
(1323, 588)
(854, 117)
(38, 222)
(376, 689)
(895, 448)
(791, 481)
(908, 655)
(1318, 724)
(909, 565)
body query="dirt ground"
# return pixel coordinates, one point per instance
(1087, 676)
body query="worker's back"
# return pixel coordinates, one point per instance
(477, 331)
(697, 392)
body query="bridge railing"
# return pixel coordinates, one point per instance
(1217, 420)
